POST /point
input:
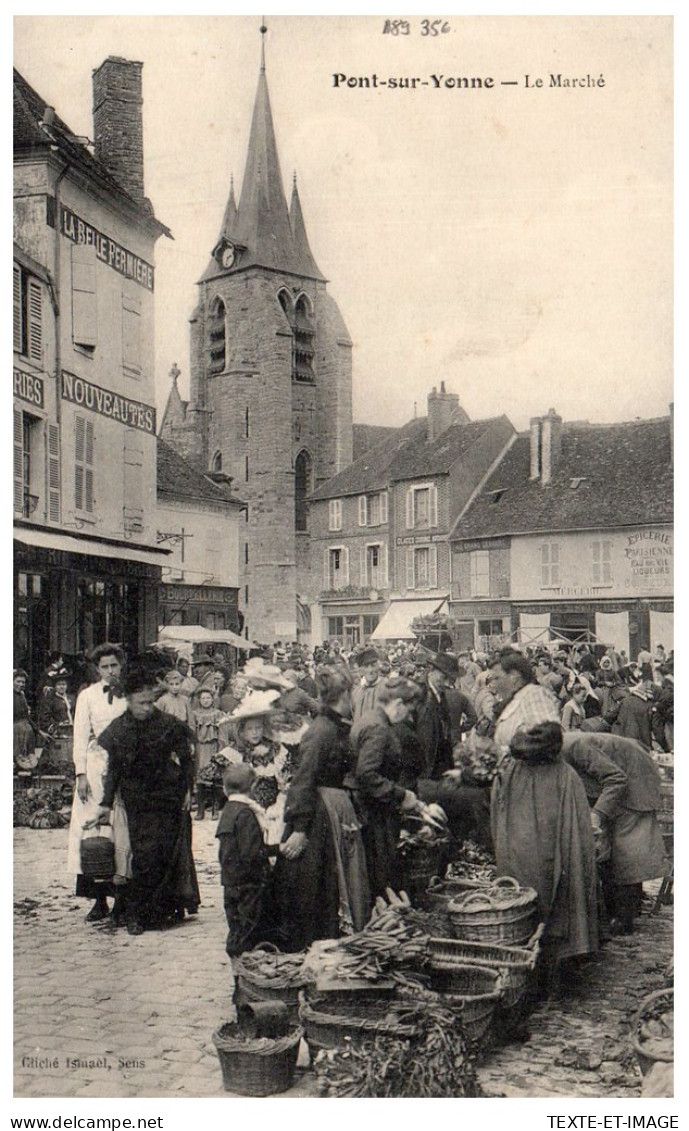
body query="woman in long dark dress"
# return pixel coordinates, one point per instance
(150, 761)
(320, 875)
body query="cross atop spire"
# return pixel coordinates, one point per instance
(263, 29)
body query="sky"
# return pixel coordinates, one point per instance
(514, 242)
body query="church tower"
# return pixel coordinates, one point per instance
(271, 382)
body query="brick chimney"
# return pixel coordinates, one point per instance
(535, 448)
(118, 122)
(545, 446)
(551, 444)
(444, 410)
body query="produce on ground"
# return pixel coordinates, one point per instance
(434, 1064)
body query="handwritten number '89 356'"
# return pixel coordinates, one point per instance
(428, 27)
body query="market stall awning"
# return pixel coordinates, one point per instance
(395, 624)
(197, 634)
(90, 544)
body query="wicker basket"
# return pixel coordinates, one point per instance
(98, 856)
(516, 964)
(659, 1002)
(419, 865)
(505, 914)
(477, 990)
(256, 1067)
(326, 1023)
(253, 986)
(440, 892)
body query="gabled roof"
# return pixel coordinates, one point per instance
(176, 478)
(31, 138)
(365, 436)
(406, 454)
(606, 475)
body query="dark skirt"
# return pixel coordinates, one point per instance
(163, 885)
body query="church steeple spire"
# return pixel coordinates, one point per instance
(261, 225)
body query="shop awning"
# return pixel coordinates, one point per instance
(89, 544)
(396, 621)
(197, 634)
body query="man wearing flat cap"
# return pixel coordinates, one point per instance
(365, 692)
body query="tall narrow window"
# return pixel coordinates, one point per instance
(550, 565)
(217, 344)
(25, 472)
(422, 507)
(335, 514)
(302, 489)
(480, 573)
(303, 341)
(601, 562)
(28, 315)
(216, 461)
(83, 464)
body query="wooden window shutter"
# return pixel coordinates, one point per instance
(18, 461)
(383, 507)
(34, 344)
(433, 505)
(18, 328)
(384, 564)
(410, 508)
(362, 510)
(326, 569)
(363, 569)
(84, 305)
(83, 464)
(433, 567)
(410, 568)
(133, 481)
(345, 565)
(53, 473)
(131, 330)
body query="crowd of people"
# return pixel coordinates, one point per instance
(311, 761)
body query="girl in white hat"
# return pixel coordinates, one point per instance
(253, 743)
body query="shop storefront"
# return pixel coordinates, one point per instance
(211, 606)
(483, 625)
(71, 594)
(629, 626)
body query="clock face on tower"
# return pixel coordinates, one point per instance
(228, 255)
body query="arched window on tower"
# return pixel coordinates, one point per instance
(303, 474)
(216, 337)
(216, 462)
(303, 340)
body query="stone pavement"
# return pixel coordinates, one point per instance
(103, 1014)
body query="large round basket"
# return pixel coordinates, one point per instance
(326, 1022)
(662, 1001)
(277, 981)
(516, 964)
(476, 990)
(256, 1066)
(504, 914)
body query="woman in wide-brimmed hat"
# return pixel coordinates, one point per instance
(252, 742)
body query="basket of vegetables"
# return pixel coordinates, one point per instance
(503, 913)
(420, 852)
(653, 1030)
(265, 974)
(476, 990)
(256, 1066)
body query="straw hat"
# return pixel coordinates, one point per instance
(262, 675)
(255, 703)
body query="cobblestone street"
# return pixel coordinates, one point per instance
(102, 1014)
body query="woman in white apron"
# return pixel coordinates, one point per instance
(96, 708)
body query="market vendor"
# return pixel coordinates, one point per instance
(375, 781)
(24, 736)
(623, 786)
